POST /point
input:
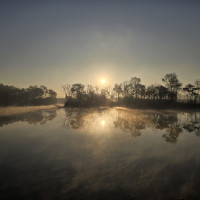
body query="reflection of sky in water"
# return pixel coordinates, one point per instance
(100, 154)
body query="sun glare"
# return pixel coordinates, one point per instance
(103, 80)
(102, 122)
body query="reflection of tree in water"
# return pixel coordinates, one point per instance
(34, 117)
(172, 133)
(133, 123)
(164, 121)
(192, 123)
(75, 118)
(169, 123)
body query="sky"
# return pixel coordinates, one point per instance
(57, 42)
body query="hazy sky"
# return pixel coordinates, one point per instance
(58, 42)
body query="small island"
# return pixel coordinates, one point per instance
(134, 94)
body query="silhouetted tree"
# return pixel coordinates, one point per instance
(77, 90)
(96, 89)
(52, 93)
(32, 95)
(67, 90)
(135, 86)
(162, 92)
(197, 85)
(152, 92)
(173, 84)
(118, 89)
(126, 88)
(45, 90)
(192, 95)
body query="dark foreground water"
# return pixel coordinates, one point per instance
(110, 154)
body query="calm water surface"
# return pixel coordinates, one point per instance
(114, 153)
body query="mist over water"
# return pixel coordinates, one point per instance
(105, 153)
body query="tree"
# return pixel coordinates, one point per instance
(90, 90)
(173, 84)
(191, 90)
(32, 95)
(35, 92)
(52, 93)
(135, 86)
(97, 89)
(67, 90)
(141, 90)
(151, 92)
(126, 88)
(45, 90)
(105, 92)
(197, 85)
(162, 91)
(118, 89)
(77, 90)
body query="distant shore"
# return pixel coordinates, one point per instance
(14, 110)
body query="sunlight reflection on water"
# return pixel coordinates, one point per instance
(113, 153)
(102, 122)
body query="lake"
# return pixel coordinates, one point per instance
(105, 153)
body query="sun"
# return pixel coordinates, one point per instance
(102, 122)
(103, 80)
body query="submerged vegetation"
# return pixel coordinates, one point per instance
(32, 95)
(133, 93)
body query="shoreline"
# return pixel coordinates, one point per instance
(139, 109)
(14, 110)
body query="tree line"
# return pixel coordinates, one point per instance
(134, 93)
(33, 95)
